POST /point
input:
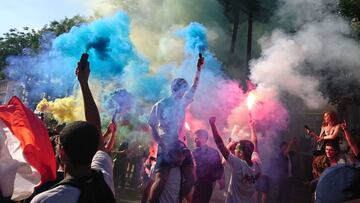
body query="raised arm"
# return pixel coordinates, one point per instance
(289, 146)
(111, 131)
(91, 111)
(353, 146)
(219, 142)
(190, 94)
(254, 136)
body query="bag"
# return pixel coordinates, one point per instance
(93, 189)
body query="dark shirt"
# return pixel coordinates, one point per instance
(208, 164)
(283, 164)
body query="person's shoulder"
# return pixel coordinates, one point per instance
(196, 150)
(164, 100)
(59, 194)
(232, 159)
(101, 158)
(161, 101)
(213, 150)
(103, 162)
(256, 158)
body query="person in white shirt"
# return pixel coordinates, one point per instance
(244, 172)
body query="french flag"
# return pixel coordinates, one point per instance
(26, 156)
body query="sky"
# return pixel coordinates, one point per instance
(36, 13)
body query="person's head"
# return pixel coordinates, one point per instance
(319, 164)
(179, 86)
(283, 145)
(329, 118)
(123, 146)
(201, 137)
(78, 142)
(339, 184)
(244, 149)
(330, 150)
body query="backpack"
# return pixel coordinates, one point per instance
(93, 189)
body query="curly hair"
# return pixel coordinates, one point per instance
(319, 164)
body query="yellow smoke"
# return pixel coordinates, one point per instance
(64, 109)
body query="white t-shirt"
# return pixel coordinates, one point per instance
(169, 115)
(65, 193)
(172, 187)
(242, 180)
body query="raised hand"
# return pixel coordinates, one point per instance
(212, 120)
(200, 62)
(83, 69)
(112, 126)
(344, 126)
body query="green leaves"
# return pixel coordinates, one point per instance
(15, 41)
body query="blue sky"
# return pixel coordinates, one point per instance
(36, 13)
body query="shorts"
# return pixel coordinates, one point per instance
(262, 184)
(178, 155)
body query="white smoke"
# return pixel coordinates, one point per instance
(321, 43)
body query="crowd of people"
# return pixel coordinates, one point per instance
(92, 170)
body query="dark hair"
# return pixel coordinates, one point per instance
(80, 141)
(202, 133)
(123, 146)
(178, 84)
(332, 144)
(247, 148)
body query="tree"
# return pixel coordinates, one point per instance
(15, 42)
(344, 94)
(351, 10)
(254, 10)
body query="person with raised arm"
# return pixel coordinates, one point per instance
(166, 120)
(84, 155)
(350, 140)
(208, 168)
(244, 171)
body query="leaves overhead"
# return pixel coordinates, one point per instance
(15, 42)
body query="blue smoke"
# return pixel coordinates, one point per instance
(107, 42)
(51, 71)
(113, 59)
(195, 38)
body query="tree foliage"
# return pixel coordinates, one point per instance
(16, 41)
(344, 91)
(351, 9)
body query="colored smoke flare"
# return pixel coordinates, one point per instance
(250, 100)
(187, 126)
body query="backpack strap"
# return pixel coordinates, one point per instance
(68, 181)
(88, 194)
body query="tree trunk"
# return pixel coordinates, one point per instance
(249, 42)
(235, 30)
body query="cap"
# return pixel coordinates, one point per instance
(338, 184)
